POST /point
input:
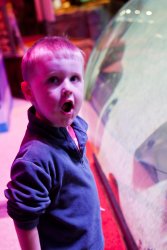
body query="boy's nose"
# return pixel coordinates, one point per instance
(65, 92)
(66, 89)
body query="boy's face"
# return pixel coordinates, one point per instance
(57, 90)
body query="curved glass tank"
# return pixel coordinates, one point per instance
(126, 93)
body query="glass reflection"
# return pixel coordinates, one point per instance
(126, 86)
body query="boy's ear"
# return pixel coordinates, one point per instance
(25, 87)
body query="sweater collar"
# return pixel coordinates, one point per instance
(38, 127)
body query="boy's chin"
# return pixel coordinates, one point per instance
(64, 123)
(67, 124)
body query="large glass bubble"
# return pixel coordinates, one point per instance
(126, 88)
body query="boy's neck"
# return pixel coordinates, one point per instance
(72, 134)
(71, 131)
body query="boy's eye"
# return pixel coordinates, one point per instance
(74, 78)
(53, 80)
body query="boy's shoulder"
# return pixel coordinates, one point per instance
(34, 150)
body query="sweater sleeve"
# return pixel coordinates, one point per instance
(27, 193)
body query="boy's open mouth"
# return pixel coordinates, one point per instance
(67, 106)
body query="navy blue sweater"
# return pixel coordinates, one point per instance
(52, 188)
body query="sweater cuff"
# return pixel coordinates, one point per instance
(26, 225)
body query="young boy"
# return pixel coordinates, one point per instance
(52, 196)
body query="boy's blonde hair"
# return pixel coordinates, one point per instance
(44, 48)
